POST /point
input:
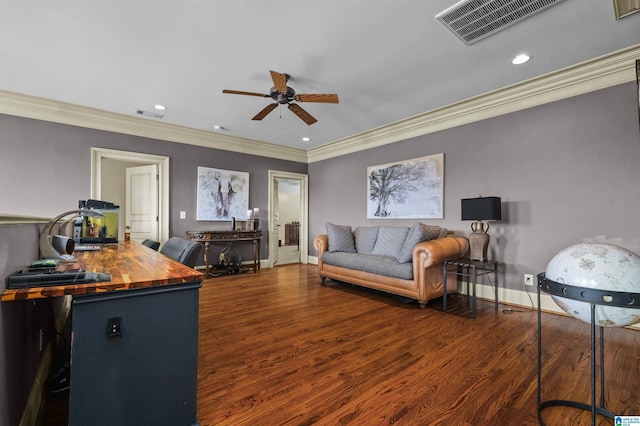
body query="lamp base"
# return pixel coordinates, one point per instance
(478, 244)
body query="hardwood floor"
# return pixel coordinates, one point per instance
(279, 348)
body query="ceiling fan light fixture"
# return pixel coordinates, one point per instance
(283, 94)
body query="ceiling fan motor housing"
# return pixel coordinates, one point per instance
(282, 98)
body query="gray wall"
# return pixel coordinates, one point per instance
(52, 163)
(44, 171)
(566, 171)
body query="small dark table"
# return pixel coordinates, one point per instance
(471, 269)
(207, 237)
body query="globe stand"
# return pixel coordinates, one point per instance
(594, 297)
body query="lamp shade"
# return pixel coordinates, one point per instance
(481, 208)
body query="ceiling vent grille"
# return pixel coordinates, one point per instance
(473, 20)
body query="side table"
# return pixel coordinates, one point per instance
(471, 269)
(207, 237)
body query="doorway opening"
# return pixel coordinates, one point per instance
(108, 180)
(289, 215)
(288, 218)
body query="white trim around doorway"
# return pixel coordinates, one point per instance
(98, 154)
(304, 209)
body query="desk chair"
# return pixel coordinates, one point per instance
(151, 244)
(184, 251)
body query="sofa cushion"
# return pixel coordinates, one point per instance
(375, 264)
(390, 240)
(340, 238)
(366, 238)
(418, 233)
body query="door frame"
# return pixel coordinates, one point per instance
(304, 209)
(98, 154)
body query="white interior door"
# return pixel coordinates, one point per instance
(274, 226)
(142, 202)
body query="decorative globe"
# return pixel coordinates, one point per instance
(602, 267)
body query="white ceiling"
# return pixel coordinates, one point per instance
(386, 59)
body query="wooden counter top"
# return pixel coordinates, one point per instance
(131, 266)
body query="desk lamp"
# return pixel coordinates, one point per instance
(478, 210)
(49, 245)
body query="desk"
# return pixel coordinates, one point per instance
(207, 237)
(471, 269)
(147, 374)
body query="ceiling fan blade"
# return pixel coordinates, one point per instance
(324, 98)
(238, 92)
(304, 115)
(279, 81)
(266, 110)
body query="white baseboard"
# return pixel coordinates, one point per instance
(521, 298)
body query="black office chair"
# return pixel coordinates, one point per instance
(151, 244)
(184, 251)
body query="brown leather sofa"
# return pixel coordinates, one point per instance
(427, 260)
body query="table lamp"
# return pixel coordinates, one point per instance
(49, 245)
(478, 210)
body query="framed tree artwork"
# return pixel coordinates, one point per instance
(222, 194)
(406, 189)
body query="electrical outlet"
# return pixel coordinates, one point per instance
(114, 327)
(528, 279)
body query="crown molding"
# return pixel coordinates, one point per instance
(65, 113)
(605, 71)
(599, 73)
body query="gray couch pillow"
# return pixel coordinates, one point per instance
(418, 233)
(390, 240)
(366, 238)
(340, 238)
(443, 232)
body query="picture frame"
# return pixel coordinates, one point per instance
(222, 194)
(408, 189)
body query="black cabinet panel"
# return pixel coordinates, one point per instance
(134, 357)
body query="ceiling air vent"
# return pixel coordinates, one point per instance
(624, 8)
(473, 20)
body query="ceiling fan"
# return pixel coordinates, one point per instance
(283, 94)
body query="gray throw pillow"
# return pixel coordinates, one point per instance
(443, 232)
(340, 238)
(418, 233)
(390, 240)
(366, 238)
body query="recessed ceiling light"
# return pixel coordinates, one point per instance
(217, 127)
(160, 107)
(305, 139)
(520, 59)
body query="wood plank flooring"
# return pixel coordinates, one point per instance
(278, 348)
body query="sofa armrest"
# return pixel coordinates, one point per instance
(321, 243)
(433, 252)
